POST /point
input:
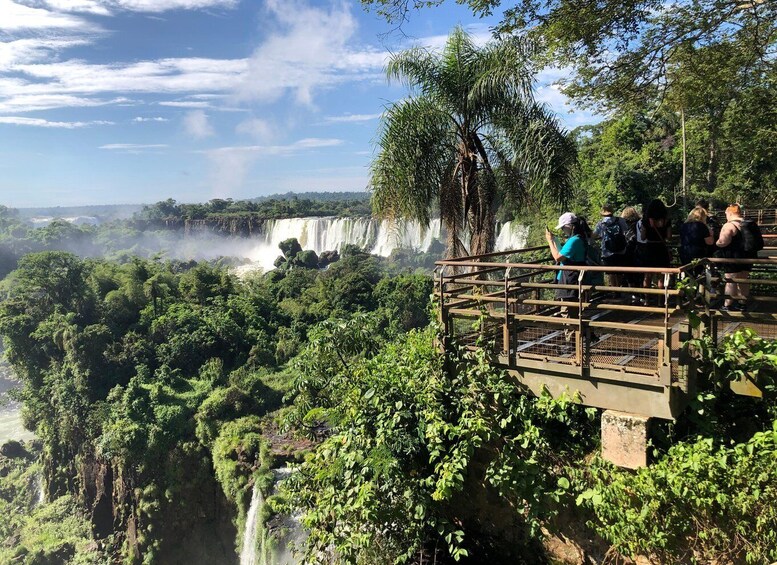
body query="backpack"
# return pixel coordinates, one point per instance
(752, 240)
(613, 238)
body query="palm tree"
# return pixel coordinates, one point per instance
(469, 131)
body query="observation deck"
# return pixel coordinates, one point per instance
(602, 347)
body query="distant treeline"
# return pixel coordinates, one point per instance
(285, 206)
(272, 206)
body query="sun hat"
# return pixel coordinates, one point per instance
(566, 219)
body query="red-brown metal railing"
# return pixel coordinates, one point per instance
(629, 335)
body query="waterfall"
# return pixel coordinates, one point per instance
(258, 547)
(252, 529)
(405, 235)
(379, 237)
(512, 236)
(40, 490)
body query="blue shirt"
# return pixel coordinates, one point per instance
(573, 251)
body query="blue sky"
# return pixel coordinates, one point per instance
(134, 101)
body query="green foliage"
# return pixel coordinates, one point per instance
(290, 205)
(409, 443)
(628, 161)
(241, 458)
(51, 534)
(712, 494)
(719, 413)
(700, 503)
(160, 376)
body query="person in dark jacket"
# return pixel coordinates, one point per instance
(653, 232)
(696, 236)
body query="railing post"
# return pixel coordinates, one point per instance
(506, 332)
(582, 341)
(443, 311)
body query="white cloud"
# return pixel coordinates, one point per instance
(141, 119)
(185, 104)
(274, 150)
(41, 123)
(256, 128)
(478, 33)
(548, 91)
(131, 146)
(159, 76)
(157, 6)
(197, 125)
(35, 102)
(81, 6)
(306, 49)
(30, 50)
(107, 7)
(17, 17)
(348, 118)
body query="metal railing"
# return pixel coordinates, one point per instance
(617, 345)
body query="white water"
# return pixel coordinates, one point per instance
(43, 221)
(251, 532)
(374, 236)
(40, 490)
(257, 548)
(11, 426)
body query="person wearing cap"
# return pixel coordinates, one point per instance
(573, 252)
(612, 231)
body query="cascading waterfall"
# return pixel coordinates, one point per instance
(252, 530)
(258, 548)
(376, 236)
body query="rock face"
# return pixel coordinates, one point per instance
(189, 522)
(234, 226)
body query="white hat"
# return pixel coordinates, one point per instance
(566, 219)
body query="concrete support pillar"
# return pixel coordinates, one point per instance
(624, 439)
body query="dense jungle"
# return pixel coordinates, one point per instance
(185, 414)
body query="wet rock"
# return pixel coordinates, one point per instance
(13, 450)
(327, 257)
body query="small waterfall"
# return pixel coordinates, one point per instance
(40, 490)
(258, 548)
(252, 529)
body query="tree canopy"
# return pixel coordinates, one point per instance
(470, 130)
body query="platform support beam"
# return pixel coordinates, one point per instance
(625, 439)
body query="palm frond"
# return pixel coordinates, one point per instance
(414, 161)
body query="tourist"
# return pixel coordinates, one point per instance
(696, 236)
(573, 252)
(612, 231)
(739, 239)
(712, 222)
(631, 217)
(653, 233)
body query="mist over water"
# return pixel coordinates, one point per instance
(260, 250)
(10, 412)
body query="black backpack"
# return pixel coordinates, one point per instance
(613, 238)
(752, 240)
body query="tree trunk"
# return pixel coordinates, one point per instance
(482, 236)
(715, 118)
